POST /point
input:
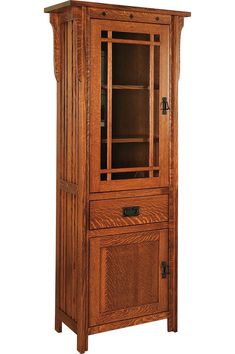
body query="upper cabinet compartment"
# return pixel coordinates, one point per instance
(129, 133)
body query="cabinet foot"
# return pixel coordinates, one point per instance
(172, 325)
(82, 343)
(58, 325)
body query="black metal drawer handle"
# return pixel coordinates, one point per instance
(131, 211)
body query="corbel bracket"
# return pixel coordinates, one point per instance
(54, 20)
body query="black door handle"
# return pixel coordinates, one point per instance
(164, 105)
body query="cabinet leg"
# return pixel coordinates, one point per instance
(172, 325)
(82, 342)
(58, 324)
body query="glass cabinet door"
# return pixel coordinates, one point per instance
(129, 125)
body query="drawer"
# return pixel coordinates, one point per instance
(128, 211)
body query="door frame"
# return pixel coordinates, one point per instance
(96, 185)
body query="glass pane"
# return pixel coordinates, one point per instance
(130, 155)
(103, 63)
(130, 128)
(104, 34)
(130, 114)
(156, 107)
(135, 36)
(130, 64)
(129, 175)
(157, 38)
(130, 92)
(103, 177)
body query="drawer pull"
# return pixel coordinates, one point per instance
(131, 211)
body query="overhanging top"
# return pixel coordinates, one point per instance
(60, 7)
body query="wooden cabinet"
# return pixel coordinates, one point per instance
(117, 71)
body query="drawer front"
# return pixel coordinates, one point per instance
(128, 211)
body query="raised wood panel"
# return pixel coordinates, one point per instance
(109, 213)
(125, 276)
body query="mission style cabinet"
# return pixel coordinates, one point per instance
(117, 71)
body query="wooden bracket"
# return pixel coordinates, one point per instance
(179, 26)
(54, 20)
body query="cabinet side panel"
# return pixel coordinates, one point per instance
(68, 166)
(68, 262)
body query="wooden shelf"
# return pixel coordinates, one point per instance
(128, 87)
(129, 41)
(129, 140)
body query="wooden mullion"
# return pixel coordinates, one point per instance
(109, 113)
(151, 105)
(130, 169)
(130, 41)
(126, 87)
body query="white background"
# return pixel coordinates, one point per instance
(206, 187)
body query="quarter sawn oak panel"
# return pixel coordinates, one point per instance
(125, 276)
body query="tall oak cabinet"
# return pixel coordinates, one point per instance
(117, 71)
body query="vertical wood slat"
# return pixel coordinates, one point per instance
(69, 169)
(176, 28)
(151, 104)
(109, 113)
(69, 103)
(74, 198)
(62, 196)
(82, 249)
(65, 156)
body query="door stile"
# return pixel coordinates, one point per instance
(164, 118)
(109, 112)
(95, 139)
(151, 105)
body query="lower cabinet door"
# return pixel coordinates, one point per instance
(128, 276)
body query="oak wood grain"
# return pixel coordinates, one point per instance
(124, 229)
(82, 247)
(109, 213)
(176, 29)
(128, 193)
(129, 322)
(131, 16)
(60, 7)
(125, 278)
